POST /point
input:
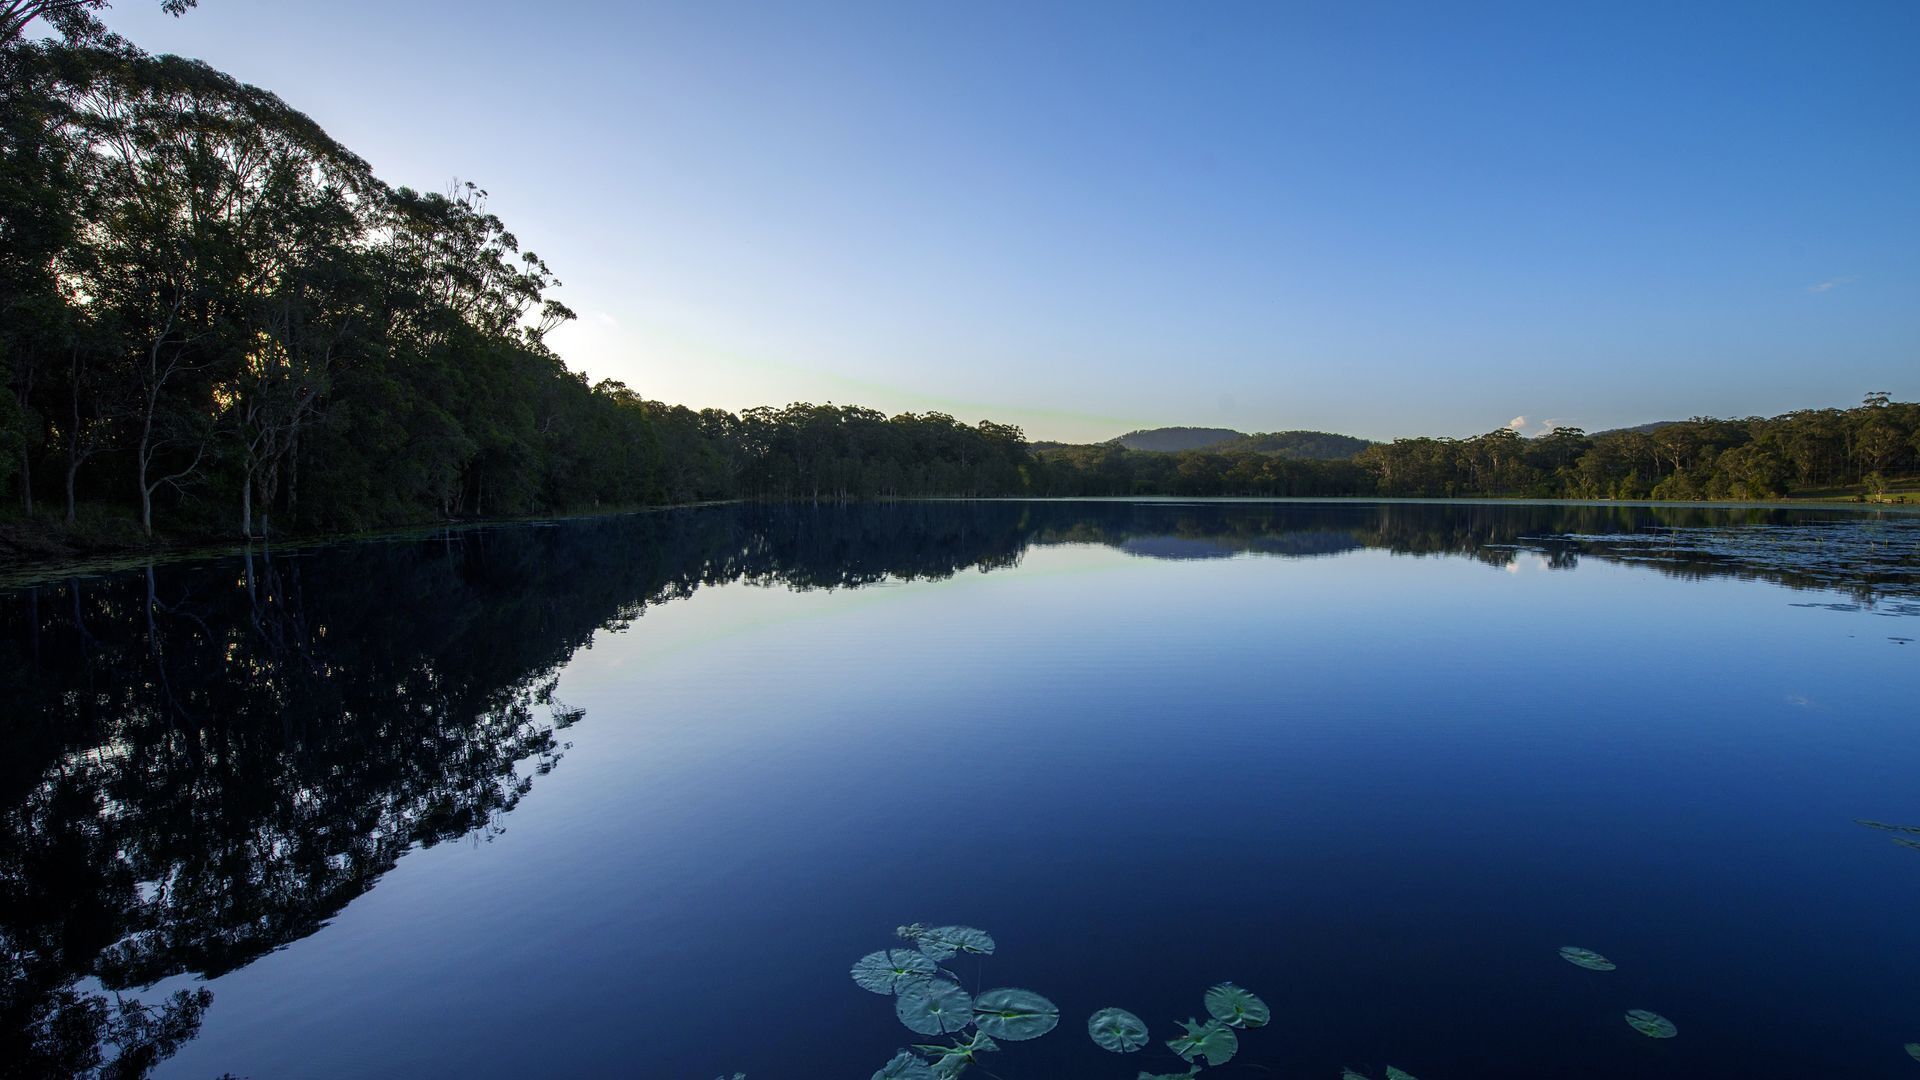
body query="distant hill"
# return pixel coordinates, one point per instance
(1313, 445)
(1641, 428)
(1309, 445)
(1175, 439)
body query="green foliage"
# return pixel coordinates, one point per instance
(1585, 958)
(1117, 1030)
(1213, 1040)
(1237, 1007)
(888, 971)
(905, 1066)
(943, 942)
(933, 1006)
(1399, 1074)
(1014, 1015)
(1651, 1024)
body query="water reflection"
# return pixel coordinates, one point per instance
(205, 762)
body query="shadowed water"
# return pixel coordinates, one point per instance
(628, 796)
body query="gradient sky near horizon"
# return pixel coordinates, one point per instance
(1377, 218)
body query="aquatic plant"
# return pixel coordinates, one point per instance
(1212, 1040)
(1117, 1030)
(953, 1060)
(1913, 1051)
(1399, 1074)
(942, 942)
(933, 1007)
(1349, 1074)
(1585, 958)
(1651, 1024)
(1238, 1007)
(1014, 1014)
(1188, 1075)
(890, 970)
(905, 1066)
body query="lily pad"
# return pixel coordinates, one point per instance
(933, 1007)
(1651, 1024)
(885, 972)
(905, 1066)
(949, 1061)
(1585, 958)
(1399, 1074)
(942, 942)
(1238, 1007)
(1349, 1074)
(1117, 1030)
(1212, 1040)
(1014, 1015)
(1188, 1075)
(1913, 1051)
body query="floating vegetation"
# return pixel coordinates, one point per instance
(1014, 1014)
(1399, 1074)
(1188, 1075)
(1585, 958)
(1349, 1074)
(905, 1066)
(1212, 1040)
(1877, 561)
(953, 1060)
(942, 942)
(933, 1007)
(1913, 1051)
(1907, 840)
(1117, 1030)
(1651, 1024)
(1238, 1007)
(890, 970)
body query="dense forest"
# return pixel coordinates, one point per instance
(216, 321)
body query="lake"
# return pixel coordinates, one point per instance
(629, 796)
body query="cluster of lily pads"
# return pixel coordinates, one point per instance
(929, 1000)
(1215, 1042)
(1650, 1024)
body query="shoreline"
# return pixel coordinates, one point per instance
(18, 571)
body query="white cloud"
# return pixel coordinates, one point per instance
(1829, 285)
(1518, 423)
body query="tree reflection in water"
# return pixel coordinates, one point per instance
(206, 761)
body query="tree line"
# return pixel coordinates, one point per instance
(215, 320)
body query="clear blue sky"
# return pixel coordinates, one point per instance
(1376, 218)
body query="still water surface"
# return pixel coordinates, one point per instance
(626, 797)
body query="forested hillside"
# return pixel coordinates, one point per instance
(1176, 439)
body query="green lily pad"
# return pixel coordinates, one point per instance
(949, 1061)
(1014, 1015)
(1913, 1051)
(1238, 1007)
(1399, 1074)
(933, 1007)
(1349, 1074)
(1212, 1040)
(905, 1066)
(942, 942)
(1585, 958)
(1188, 1075)
(1117, 1030)
(1651, 1024)
(885, 972)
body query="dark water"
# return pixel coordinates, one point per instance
(627, 797)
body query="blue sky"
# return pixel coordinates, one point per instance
(1377, 218)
